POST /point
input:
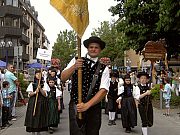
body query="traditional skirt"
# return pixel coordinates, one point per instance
(128, 112)
(53, 115)
(39, 122)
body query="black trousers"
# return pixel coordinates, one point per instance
(5, 115)
(91, 123)
(146, 114)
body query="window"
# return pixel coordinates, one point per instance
(15, 42)
(16, 22)
(9, 2)
(1, 21)
(8, 21)
(15, 3)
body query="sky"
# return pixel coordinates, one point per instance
(53, 22)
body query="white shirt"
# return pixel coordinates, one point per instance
(105, 82)
(135, 93)
(58, 93)
(45, 88)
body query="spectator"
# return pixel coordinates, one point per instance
(13, 81)
(167, 95)
(176, 82)
(6, 104)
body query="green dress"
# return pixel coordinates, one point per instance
(53, 116)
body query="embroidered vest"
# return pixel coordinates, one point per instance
(128, 91)
(143, 89)
(87, 76)
(113, 90)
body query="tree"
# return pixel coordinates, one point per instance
(144, 20)
(108, 33)
(65, 47)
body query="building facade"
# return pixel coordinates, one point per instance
(19, 26)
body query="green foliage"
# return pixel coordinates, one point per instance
(155, 92)
(65, 47)
(175, 100)
(144, 20)
(23, 84)
(114, 49)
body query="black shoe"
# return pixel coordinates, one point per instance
(128, 130)
(51, 130)
(110, 123)
(113, 122)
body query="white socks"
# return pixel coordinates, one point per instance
(144, 130)
(112, 115)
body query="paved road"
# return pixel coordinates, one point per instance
(162, 125)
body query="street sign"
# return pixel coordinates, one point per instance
(31, 73)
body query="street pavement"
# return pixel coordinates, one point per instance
(162, 125)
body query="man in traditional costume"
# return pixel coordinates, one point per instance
(95, 85)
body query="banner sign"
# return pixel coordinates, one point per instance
(44, 54)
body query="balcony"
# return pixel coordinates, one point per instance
(10, 31)
(43, 38)
(10, 10)
(36, 32)
(25, 57)
(25, 40)
(25, 23)
(35, 46)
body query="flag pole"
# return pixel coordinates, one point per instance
(79, 75)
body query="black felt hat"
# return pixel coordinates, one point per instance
(127, 76)
(94, 39)
(142, 74)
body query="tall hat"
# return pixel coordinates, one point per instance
(94, 39)
(127, 76)
(142, 74)
(114, 74)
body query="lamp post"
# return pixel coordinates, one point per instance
(128, 62)
(6, 45)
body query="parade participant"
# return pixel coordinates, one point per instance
(112, 97)
(39, 121)
(53, 105)
(145, 104)
(167, 95)
(13, 81)
(6, 104)
(128, 102)
(92, 70)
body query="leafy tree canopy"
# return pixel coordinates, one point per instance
(144, 20)
(65, 47)
(114, 49)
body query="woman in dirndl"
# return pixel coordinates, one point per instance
(127, 101)
(38, 121)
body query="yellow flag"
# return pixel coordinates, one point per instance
(75, 12)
